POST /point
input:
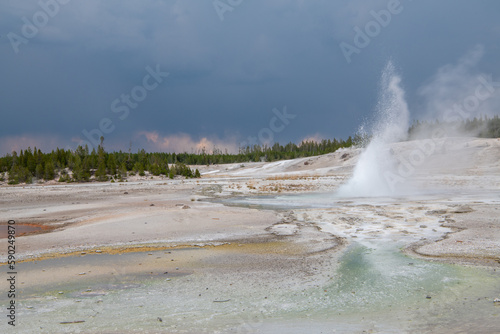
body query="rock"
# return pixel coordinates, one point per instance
(435, 212)
(186, 207)
(125, 193)
(463, 209)
(151, 204)
(423, 226)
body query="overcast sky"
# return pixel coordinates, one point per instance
(177, 75)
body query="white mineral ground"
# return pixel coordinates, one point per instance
(255, 267)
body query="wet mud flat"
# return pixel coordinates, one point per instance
(189, 289)
(160, 259)
(255, 287)
(326, 268)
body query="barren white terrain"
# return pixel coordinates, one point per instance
(266, 247)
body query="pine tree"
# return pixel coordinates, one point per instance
(122, 172)
(155, 169)
(112, 164)
(101, 163)
(49, 171)
(77, 169)
(86, 168)
(141, 170)
(30, 161)
(39, 171)
(14, 174)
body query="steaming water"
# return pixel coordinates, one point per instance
(374, 172)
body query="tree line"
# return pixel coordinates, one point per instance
(483, 127)
(82, 165)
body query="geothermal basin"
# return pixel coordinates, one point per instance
(263, 248)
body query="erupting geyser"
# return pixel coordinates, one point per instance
(377, 162)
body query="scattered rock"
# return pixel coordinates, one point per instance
(151, 204)
(125, 193)
(436, 212)
(186, 207)
(72, 322)
(463, 209)
(428, 297)
(423, 226)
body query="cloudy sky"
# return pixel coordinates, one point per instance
(178, 75)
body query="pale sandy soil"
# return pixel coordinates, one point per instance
(452, 215)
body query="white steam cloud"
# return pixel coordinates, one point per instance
(459, 91)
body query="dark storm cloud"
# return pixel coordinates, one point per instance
(225, 76)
